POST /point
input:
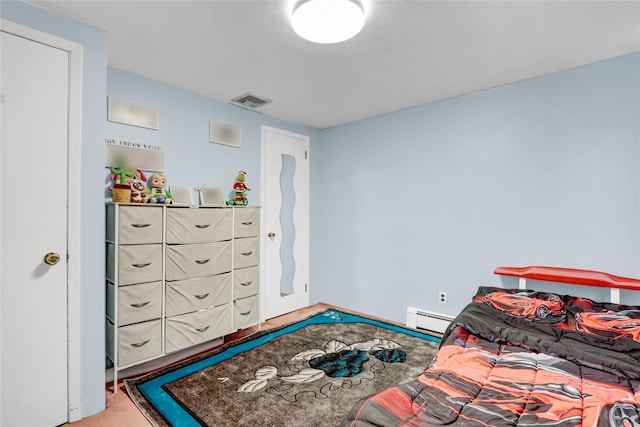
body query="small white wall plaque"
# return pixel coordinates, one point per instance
(222, 133)
(131, 113)
(133, 154)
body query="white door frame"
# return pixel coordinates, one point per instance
(263, 237)
(73, 204)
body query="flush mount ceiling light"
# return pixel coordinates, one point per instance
(327, 21)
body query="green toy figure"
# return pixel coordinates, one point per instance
(121, 175)
(240, 189)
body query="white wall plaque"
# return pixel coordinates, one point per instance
(131, 113)
(134, 155)
(222, 133)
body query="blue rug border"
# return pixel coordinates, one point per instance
(174, 414)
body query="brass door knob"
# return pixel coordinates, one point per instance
(52, 258)
(271, 234)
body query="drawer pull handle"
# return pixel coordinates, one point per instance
(246, 283)
(202, 261)
(140, 304)
(247, 253)
(203, 329)
(202, 296)
(146, 264)
(247, 223)
(139, 344)
(202, 225)
(140, 225)
(245, 313)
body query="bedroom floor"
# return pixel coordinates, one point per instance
(122, 412)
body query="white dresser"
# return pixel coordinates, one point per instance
(246, 271)
(177, 277)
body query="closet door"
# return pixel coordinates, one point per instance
(33, 233)
(286, 213)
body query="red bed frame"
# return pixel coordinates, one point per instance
(573, 276)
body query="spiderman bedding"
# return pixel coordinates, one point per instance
(522, 358)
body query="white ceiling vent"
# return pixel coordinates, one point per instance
(250, 101)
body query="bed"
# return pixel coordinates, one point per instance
(520, 357)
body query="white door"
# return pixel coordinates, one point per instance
(33, 222)
(285, 204)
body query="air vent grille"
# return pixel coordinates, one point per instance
(250, 101)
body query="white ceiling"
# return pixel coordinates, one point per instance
(409, 52)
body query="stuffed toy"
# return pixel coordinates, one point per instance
(125, 175)
(139, 191)
(157, 182)
(240, 190)
(132, 178)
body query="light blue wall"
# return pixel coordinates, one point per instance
(92, 226)
(190, 159)
(540, 172)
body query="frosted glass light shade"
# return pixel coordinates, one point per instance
(327, 21)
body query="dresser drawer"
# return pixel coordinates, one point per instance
(184, 296)
(246, 252)
(136, 303)
(246, 282)
(136, 342)
(245, 312)
(136, 264)
(136, 224)
(195, 328)
(198, 225)
(246, 222)
(197, 260)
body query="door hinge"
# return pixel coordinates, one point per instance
(306, 287)
(305, 154)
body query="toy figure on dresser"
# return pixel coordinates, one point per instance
(128, 184)
(120, 190)
(121, 175)
(157, 182)
(240, 189)
(139, 192)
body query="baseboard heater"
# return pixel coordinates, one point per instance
(426, 319)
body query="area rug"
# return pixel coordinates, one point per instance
(308, 373)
